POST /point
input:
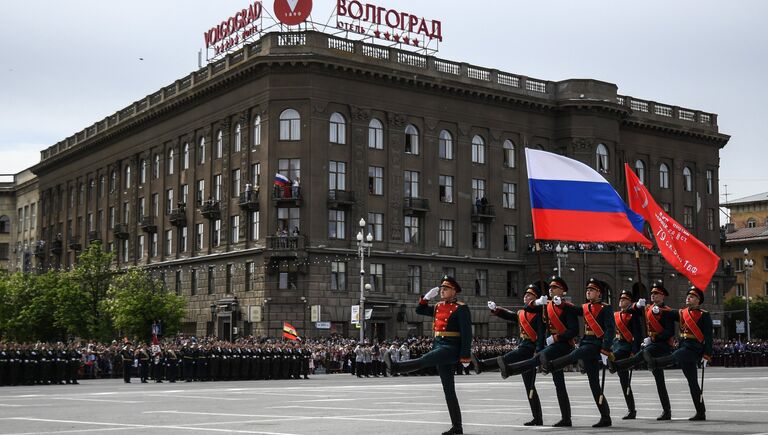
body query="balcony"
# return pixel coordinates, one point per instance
(286, 244)
(483, 213)
(211, 209)
(93, 236)
(74, 243)
(340, 198)
(178, 216)
(287, 195)
(40, 248)
(147, 224)
(413, 206)
(249, 200)
(121, 231)
(57, 246)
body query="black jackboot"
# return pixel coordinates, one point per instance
(558, 364)
(661, 362)
(408, 366)
(605, 413)
(665, 415)
(533, 400)
(517, 368)
(454, 430)
(484, 365)
(624, 364)
(701, 412)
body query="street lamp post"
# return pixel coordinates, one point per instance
(748, 264)
(363, 246)
(562, 255)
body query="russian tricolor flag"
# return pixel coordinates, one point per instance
(571, 201)
(282, 180)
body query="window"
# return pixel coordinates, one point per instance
(445, 145)
(250, 268)
(5, 249)
(478, 190)
(201, 151)
(257, 130)
(142, 171)
(751, 223)
(664, 176)
(738, 264)
(411, 234)
(126, 255)
(153, 245)
(710, 181)
(193, 282)
(235, 191)
(510, 238)
(640, 170)
(228, 278)
(156, 166)
(375, 134)
(102, 184)
(411, 184)
(508, 195)
(169, 164)
(446, 188)
(217, 187)
(168, 246)
(740, 290)
(219, 144)
(479, 235)
(184, 193)
(687, 179)
(337, 175)
(688, 216)
(142, 211)
(338, 276)
(446, 233)
(511, 284)
(336, 223)
(199, 233)
(128, 177)
(667, 207)
(169, 201)
(111, 214)
(234, 228)
(478, 149)
(411, 140)
(126, 212)
(216, 233)
(178, 282)
(710, 219)
(256, 174)
(414, 279)
(509, 154)
(601, 158)
(376, 277)
(288, 219)
(287, 280)
(450, 271)
(375, 180)
(211, 279)
(183, 239)
(290, 123)
(337, 129)
(185, 157)
(112, 181)
(140, 247)
(5, 225)
(238, 138)
(481, 282)
(376, 226)
(291, 168)
(255, 221)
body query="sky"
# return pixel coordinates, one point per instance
(66, 65)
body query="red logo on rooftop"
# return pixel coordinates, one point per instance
(292, 12)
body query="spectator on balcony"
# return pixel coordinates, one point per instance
(296, 188)
(483, 205)
(248, 188)
(295, 232)
(478, 204)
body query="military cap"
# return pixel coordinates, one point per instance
(693, 290)
(533, 289)
(451, 282)
(627, 294)
(658, 287)
(559, 281)
(597, 285)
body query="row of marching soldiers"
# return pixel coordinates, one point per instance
(42, 364)
(221, 361)
(611, 340)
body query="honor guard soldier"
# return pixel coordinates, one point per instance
(629, 335)
(695, 346)
(74, 364)
(171, 363)
(452, 343)
(531, 341)
(143, 355)
(126, 354)
(158, 363)
(562, 324)
(660, 326)
(5, 365)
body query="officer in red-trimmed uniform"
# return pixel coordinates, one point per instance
(629, 335)
(531, 341)
(563, 326)
(695, 345)
(452, 344)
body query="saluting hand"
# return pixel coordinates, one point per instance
(641, 302)
(465, 361)
(604, 357)
(542, 300)
(432, 293)
(492, 305)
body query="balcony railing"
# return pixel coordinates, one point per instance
(121, 231)
(93, 236)
(211, 209)
(40, 248)
(287, 194)
(285, 243)
(483, 213)
(340, 198)
(74, 243)
(249, 200)
(147, 224)
(178, 216)
(57, 246)
(415, 205)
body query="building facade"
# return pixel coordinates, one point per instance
(7, 220)
(427, 151)
(747, 229)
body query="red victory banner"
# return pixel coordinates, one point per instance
(681, 250)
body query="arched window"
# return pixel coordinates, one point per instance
(664, 176)
(687, 179)
(375, 134)
(5, 225)
(290, 125)
(445, 145)
(337, 133)
(219, 144)
(112, 181)
(640, 170)
(257, 130)
(509, 154)
(238, 136)
(201, 151)
(478, 149)
(169, 163)
(185, 156)
(411, 139)
(143, 172)
(751, 223)
(128, 177)
(601, 158)
(102, 185)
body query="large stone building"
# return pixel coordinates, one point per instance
(21, 250)
(747, 229)
(7, 220)
(428, 151)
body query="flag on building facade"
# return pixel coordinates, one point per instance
(289, 331)
(281, 180)
(571, 201)
(687, 254)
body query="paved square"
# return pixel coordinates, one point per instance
(342, 404)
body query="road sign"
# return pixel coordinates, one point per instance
(323, 325)
(740, 329)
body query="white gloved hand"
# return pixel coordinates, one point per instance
(646, 341)
(641, 302)
(550, 340)
(605, 359)
(655, 309)
(541, 301)
(465, 364)
(492, 305)
(557, 300)
(432, 293)
(704, 363)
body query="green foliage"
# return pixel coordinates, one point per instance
(758, 316)
(93, 274)
(736, 309)
(28, 304)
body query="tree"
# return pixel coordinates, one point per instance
(93, 274)
(735, 309)
(758, 317)
(28, 303)
(136, 299)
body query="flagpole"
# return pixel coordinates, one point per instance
(541, 278)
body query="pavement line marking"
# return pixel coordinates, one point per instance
(147, 426)
(95, 400)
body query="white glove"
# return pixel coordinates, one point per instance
(641, 302)
(550, 340)
(557, 300)
(655, 309)
(466, 364)
(605, 359)
(704, 363)
(492, 305)
(541, 301)
(646, 341)
(432, 293)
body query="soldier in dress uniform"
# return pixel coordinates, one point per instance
(452, 343)
(74, 364)
(15, 365)
(142, 353)
(45, 365)
(158, 363)
(266, 361)
(127, 355)
(531, 341)
(629, 335)
(277, 361)
(660, 326)
(60, 358)
(306, 356)
(562, 323)
(695, 345)
(171, 363)
(5, 364)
